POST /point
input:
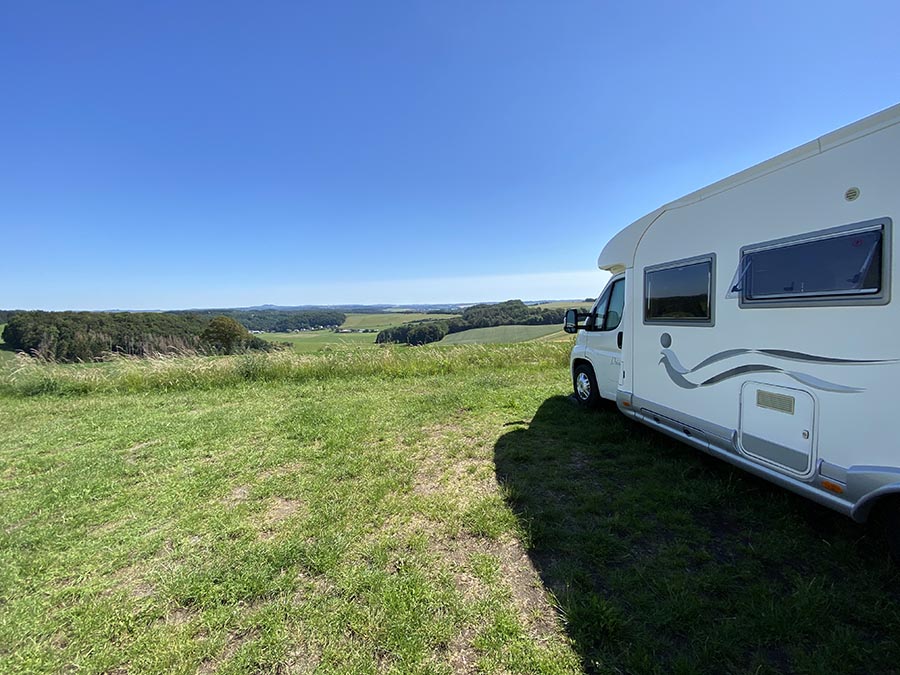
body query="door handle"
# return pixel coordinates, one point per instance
(619, 339)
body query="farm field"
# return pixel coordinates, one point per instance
(439, 510)
(584, 306)
(387, 319)
(314, 341)
(499, 335)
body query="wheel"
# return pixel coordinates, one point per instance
(585, 384)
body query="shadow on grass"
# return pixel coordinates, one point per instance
(662, 559)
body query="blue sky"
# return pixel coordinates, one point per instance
(195, 154)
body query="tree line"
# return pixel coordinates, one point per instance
(509, 313)
(88, 336)
(278, 320)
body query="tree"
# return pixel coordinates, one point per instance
(225, 335)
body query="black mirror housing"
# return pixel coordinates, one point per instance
(573, 316)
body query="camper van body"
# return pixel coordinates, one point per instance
(754, 319)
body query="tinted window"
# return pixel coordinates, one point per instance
(595, 321)
(616, 305)
(844, 265)
(675, 294)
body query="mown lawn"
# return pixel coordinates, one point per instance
(441, 510)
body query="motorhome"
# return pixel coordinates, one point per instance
(755, 320)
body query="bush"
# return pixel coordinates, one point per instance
(225, 335)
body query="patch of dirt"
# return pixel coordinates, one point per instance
(103, 529)
(439, 473)
(279, 509)
(235, 642)
(237, 495)
(517, 572)
(178, 616)
(302, 660)
(134, 454)
(461, 655)
(528, 592)
(457, 553)
(131, 580)
(291, 468)
(312, 588)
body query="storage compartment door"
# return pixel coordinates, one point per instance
(777, 426)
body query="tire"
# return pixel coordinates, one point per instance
(892, 528)
(585, 385)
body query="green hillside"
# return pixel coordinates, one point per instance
(313, 341)
(307, 342)
(583, 306)
(498, 335)
(387, 319)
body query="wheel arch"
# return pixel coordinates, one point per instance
(581, 361)
(875, 500)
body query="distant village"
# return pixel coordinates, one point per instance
(334, 329)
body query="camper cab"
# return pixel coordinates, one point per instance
(754, 319)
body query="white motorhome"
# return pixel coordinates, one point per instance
(753, 319)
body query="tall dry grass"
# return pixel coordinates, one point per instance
(28, 376)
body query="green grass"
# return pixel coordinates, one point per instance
(314, 341)
(499, 335)
(429, 510)
(583, 306)
(388, 319)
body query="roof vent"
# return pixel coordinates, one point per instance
(851, 194)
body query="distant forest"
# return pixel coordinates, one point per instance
(509, 313)
(278, 320)
(88, 336)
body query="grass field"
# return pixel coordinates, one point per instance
(388, 319)
(499, 335)
(437, 510)
(584, 306)
(313, 341)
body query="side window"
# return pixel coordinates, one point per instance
(847, 265)
(616, 306)
(680, 292)
(595, 322)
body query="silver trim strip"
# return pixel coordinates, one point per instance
(833, 471)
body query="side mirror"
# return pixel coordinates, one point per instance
(572, 318)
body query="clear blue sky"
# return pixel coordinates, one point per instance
(186, 154)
